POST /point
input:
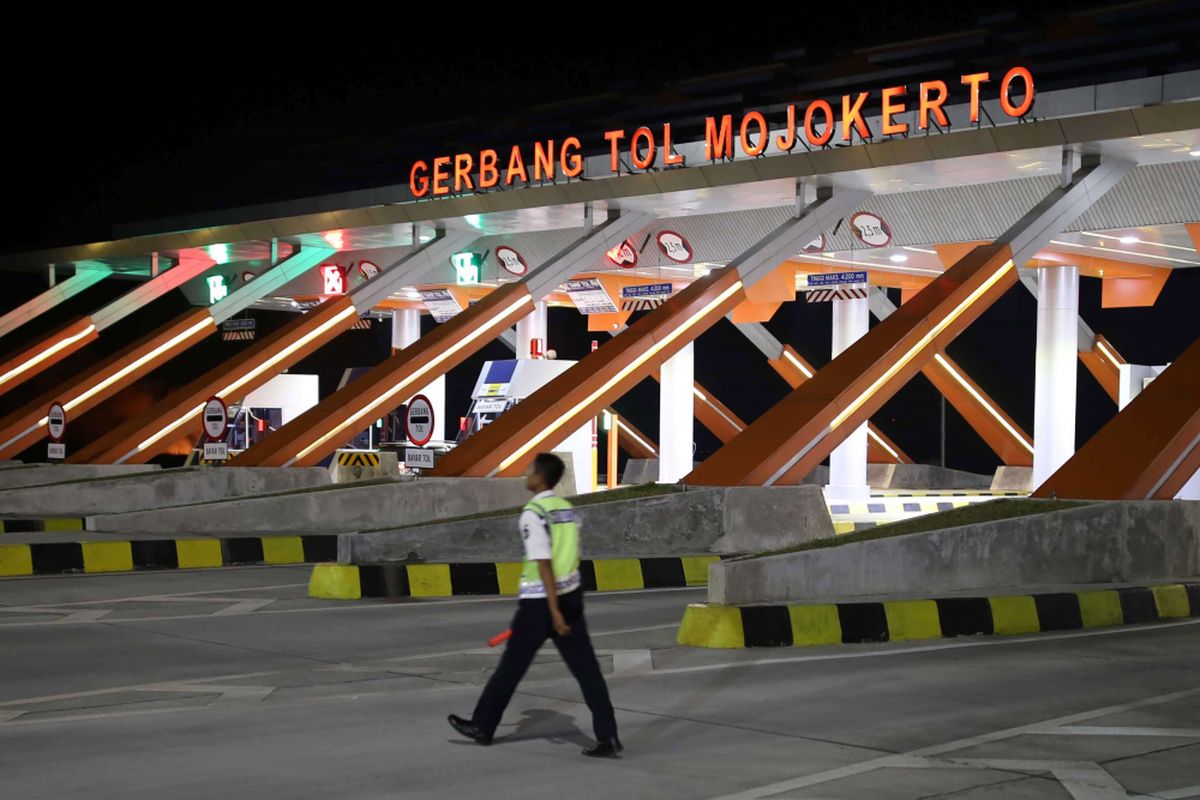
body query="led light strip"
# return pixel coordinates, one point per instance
(1107, 354)
(628, 432)
(399, 387)
(614, 380)
(1147, 242)
(921, 343)
(798, 364)
(720, 413)
(341, 315)
(167, 345)
(74, 403)
(983, 402)
(349, 311)
(879, 441)
(1126, 252)
(49, 351)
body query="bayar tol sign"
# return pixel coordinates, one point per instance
(818, 123)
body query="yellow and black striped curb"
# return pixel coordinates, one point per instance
(358, 459)
(356, 581)
(57, 558)
(907, 620)
(44, 524)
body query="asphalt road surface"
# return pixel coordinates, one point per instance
(233, 684)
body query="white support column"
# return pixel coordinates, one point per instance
(848, 461)
(1191, 489)
(530, 328)
(676, 412)
(406, 329)
(1054, 387)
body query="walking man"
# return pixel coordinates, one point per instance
(550, 606)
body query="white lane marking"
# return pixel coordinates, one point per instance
(1179, 794)
(242, 607)
(50, 698)
(594, 598)
(851, 770)
(631, 662)
(154, 597)
(226, 693)
(87, 615)
(997, 641)
(1091, 730)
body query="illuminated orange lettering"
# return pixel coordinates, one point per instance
(489, 176)
(516, 166)
(418, 179)
(440, 176)
(670, 159)
(809, 133)
(764, 136)
(543, 160)
(571, 162)
(852, 115)
(933, 103)
(635, 149)
(786, 141)
(974, 80)
(718, 143)
(463, 162)
(613, 137)
(1006, 85)
(891, 109)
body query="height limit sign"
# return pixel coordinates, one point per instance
(56, 428)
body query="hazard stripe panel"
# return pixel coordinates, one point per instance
(58, 558)
(916, 620)
(41, 524)
(352, 582)
(358, 459)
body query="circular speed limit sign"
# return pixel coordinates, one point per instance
(418, 421)
(56, 422)
(215, 418)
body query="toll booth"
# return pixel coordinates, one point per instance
(503, 384)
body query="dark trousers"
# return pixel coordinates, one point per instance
(530, 628)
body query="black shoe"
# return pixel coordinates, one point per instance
(605, 748)
(469, 729)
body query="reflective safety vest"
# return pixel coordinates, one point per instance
(559, 517)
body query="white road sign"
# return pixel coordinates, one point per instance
(56, 422)
(216, 418)
(418, 458)
(418, 420)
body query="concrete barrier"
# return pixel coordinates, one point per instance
(154, 490)
(1115, 542)
(387, 467)
(1013, 479)
(332, 509)
(20, 475)
(923, 476)
(719, 520)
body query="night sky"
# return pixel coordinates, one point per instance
(107, 128)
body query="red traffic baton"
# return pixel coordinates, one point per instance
(499, 638)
